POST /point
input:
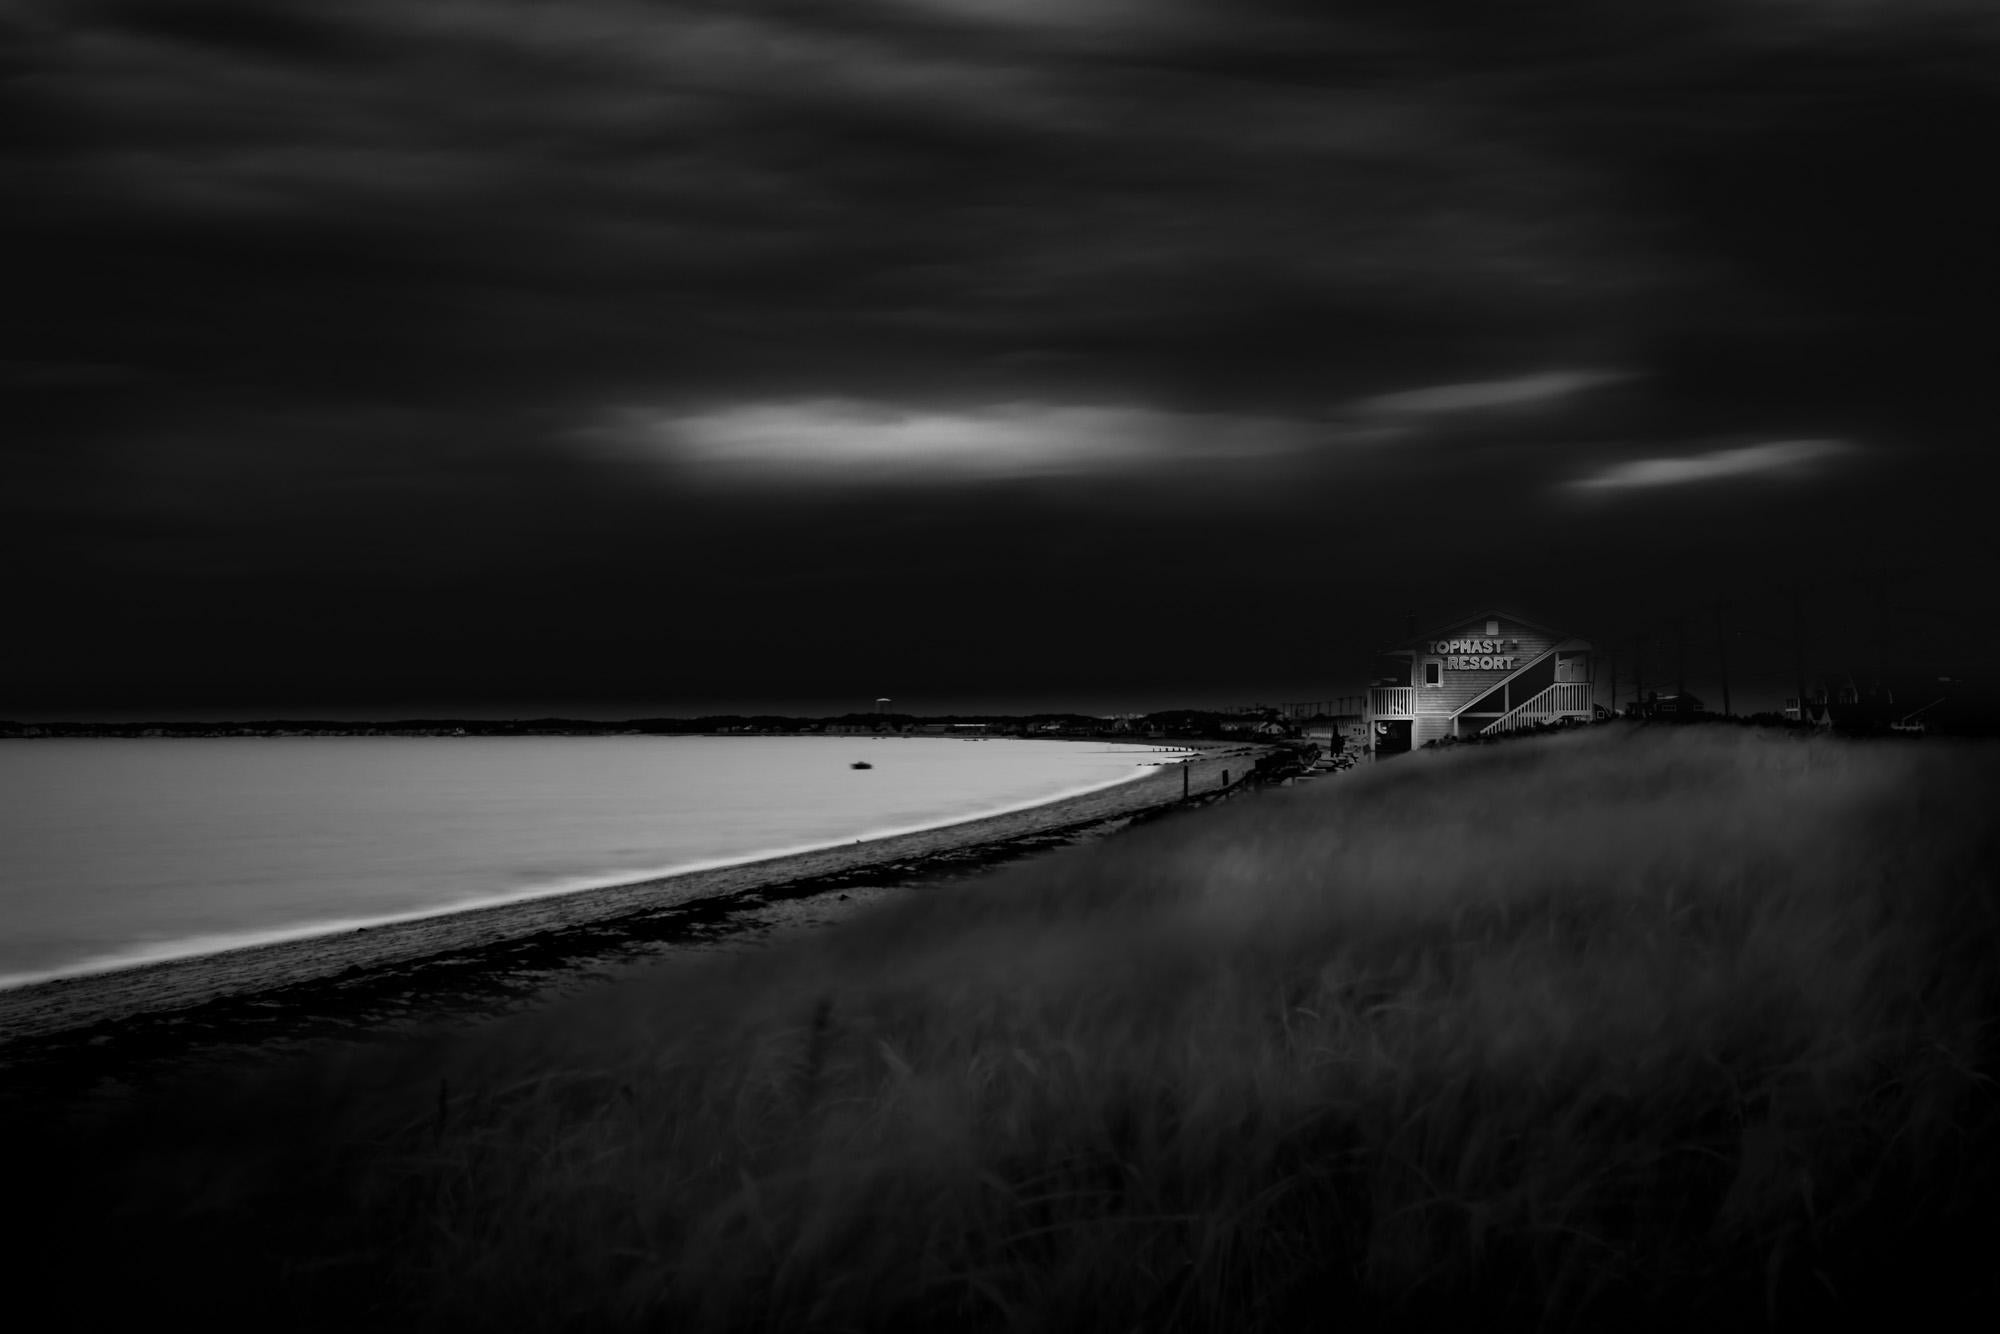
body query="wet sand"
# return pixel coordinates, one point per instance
(488, 960)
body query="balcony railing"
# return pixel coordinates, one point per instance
(1563, 699)
(1393, 701)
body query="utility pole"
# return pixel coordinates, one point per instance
(1881, 629)
(1799, 650)
(1722, 657)
(1614, 683)
(1639, 670)
(1680, 669)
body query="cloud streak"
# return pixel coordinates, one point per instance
(1521, 391)
(1777, 458)
(832, 441)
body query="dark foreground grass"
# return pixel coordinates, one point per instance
(1625, 1030)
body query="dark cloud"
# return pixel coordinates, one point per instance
(274, 29)
(328, 314)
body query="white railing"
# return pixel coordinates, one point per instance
(1393, 701)
(1563, 699)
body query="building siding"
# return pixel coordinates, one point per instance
(1531, 667)
(1462, 685)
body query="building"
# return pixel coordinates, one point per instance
(1477, 676)
(1338, 734)
(1253, 727)
(1670, 705)
(1900, 702)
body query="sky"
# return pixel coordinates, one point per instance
(621, 358)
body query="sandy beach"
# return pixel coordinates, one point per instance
(303, 988)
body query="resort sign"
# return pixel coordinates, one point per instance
(1484, 655)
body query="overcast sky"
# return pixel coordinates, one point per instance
(621, 357)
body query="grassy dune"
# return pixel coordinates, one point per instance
(1633, 1029)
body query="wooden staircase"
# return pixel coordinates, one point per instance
(1561, 700)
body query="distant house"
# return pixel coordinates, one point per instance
(1898, 702)
(1669, 705)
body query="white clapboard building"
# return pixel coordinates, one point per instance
(1479, 675)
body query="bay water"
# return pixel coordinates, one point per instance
(118, 851)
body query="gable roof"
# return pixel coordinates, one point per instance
(1439, 630)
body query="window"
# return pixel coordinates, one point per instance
(1492, 629)
(1433, 673)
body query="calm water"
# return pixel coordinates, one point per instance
(121, 850)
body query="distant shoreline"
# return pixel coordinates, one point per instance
(61, 1006)
(1038, 727)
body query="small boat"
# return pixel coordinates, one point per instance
(861, 764)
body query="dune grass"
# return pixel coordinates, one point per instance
(1635, 1029)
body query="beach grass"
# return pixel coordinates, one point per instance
(1636, 1028)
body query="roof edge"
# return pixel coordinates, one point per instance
(1490, 613)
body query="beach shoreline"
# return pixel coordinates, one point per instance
(96, 1008)
(333, 923)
